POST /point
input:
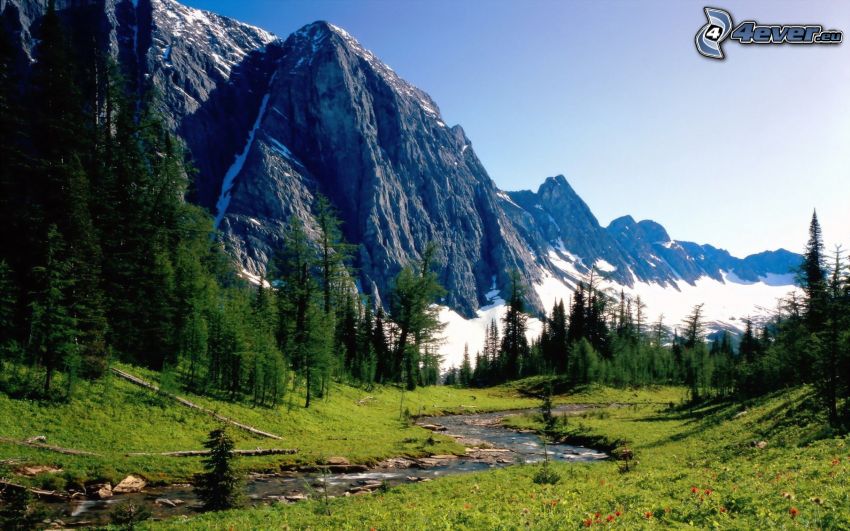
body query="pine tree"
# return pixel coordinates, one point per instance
(515, 347)
(414, 292)
(333, 251)
(694, 327)
(383, 355)
(86, 297)
(465, 371)
(748, 349)
(218, 487)
(53, 329)
(812, 277)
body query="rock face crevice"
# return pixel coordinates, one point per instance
(325, 116)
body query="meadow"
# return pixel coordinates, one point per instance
(766, 464)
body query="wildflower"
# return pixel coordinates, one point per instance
(610, 518)
(708, 492)
(648, 514)
(816, 500)
(597, 515)
(694, 490)
(588, 522)
(467, 506)
(722, 509)
(836, 461)
(553, 503)
(787, 495)
(618, 514)
(793, 511)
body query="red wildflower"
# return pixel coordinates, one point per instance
(554, 503)
(694, 490)
(597, 515)
(610, 518)
(793, 512)
(708, 492)
(723, 509)
(648, 514)
(618, 513)
(835, 462)
(588, 522)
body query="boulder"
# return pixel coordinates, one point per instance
(336, 460)
(102, 491)
(129, 484)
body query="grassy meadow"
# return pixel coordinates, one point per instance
(768, 464)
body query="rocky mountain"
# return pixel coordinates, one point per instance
(339, 122)
(557, 221)
(270, 123)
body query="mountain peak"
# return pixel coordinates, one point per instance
(622, 221)
(557, 180)
(317, 36)
(655, 232)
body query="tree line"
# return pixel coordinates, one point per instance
(601, 338)
(103, 259)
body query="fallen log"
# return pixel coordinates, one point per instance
(200, 453)
(140, 382)
(52, 494)
(49, 447)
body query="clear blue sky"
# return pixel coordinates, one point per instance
(613, 95)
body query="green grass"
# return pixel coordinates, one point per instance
(707, 449)
(112, 417)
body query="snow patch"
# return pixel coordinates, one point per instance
(227, 183)
(506, 197)
(603, 265)
(459, 331)
(255, 279)
(723, 301)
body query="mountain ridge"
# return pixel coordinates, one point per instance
(270, 123)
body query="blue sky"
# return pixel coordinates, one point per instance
(613, 95)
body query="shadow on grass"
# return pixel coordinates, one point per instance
(797, 409)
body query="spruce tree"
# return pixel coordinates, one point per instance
(812, 277)
(514, 343)
(465, 371)
(219, 486)
(53, 330)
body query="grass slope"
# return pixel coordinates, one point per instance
(112, 417)
(697, 468)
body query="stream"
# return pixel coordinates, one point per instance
(489, 445)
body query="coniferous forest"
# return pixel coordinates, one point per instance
(104, 259)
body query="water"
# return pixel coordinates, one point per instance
(499, 447)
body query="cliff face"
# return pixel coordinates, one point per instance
(340, 122)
